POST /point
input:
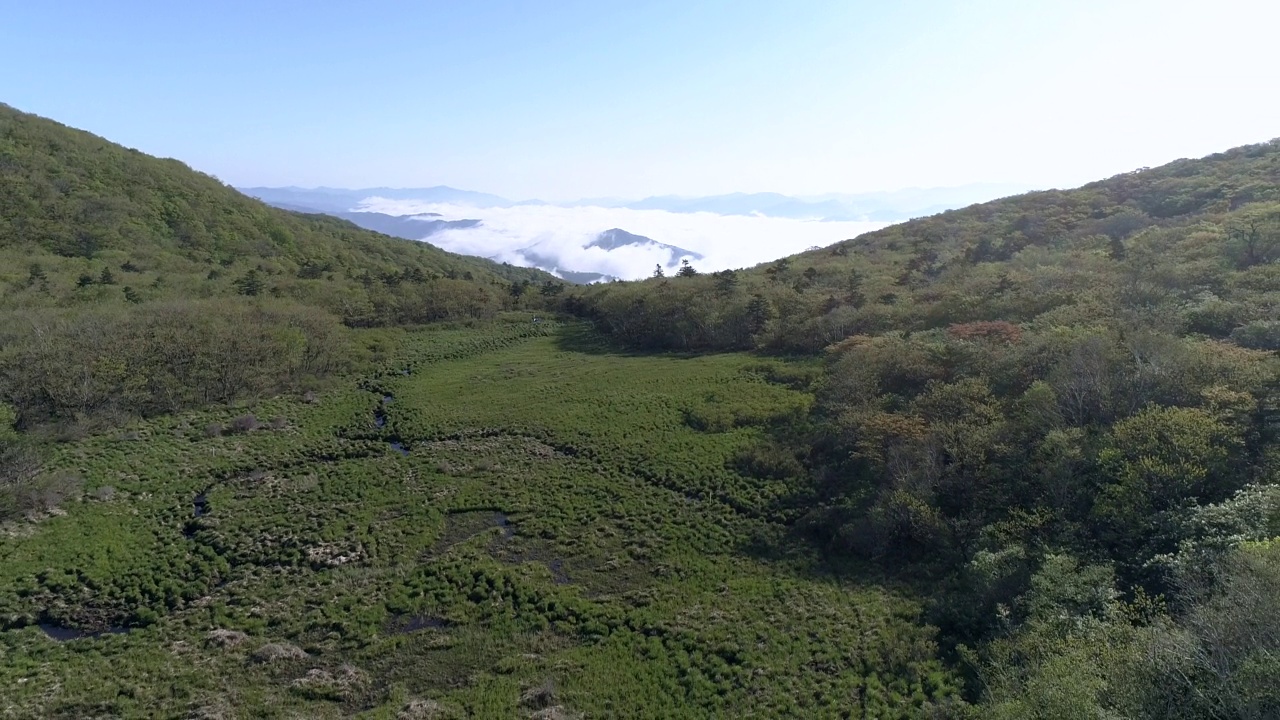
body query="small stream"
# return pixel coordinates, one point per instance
(380, 420)
(501, 520)
(380, 412)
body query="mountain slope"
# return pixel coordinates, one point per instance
(1013, 259)
(133, 285)
(72, 194)
(1057, 414)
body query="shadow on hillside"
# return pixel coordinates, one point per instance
(801, 533)
(790, 550)
(581, 337)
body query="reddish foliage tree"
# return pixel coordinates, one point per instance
(993, 330)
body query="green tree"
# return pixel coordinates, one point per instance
(250, 284)
(853, 288)
(775, 271)
(759, 312)
(1164, 455)
(726, 282)
(686, 270)
(1155, 463)
(1255, 238)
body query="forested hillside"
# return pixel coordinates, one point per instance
(1187, 248)
(1060, 407)
(74, 195)
(130, 284)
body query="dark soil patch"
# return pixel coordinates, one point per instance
(65, 634)
(464, 524)
(404, 624)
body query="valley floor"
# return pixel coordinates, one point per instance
(501, 521)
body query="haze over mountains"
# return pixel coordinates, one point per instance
(602, 238)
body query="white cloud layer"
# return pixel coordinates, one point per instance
(562, 233)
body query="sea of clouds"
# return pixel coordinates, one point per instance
(562, 234)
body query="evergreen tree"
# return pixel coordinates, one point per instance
(249, 284)
(726, 281)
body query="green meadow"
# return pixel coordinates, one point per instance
(504, 520)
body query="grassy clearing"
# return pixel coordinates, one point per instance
(567, 534)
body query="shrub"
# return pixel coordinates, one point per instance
(1261, 335)
(243, 424)
(46, 492)
(427, 710)
(227, 638)
(278, 652)
(539, 697)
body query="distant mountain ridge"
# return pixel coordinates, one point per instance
(331, 200)
(568, 239)
(886, 206)
(610, 240)
(421, 226)
(412, 227)
(616, 238)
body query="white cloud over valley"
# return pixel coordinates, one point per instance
(561, 234)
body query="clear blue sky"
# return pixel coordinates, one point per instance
(560, 98)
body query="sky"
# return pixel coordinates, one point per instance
(562, 99)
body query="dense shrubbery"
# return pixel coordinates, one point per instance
(1043, 399)
(111, 363)
(1080, 652)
